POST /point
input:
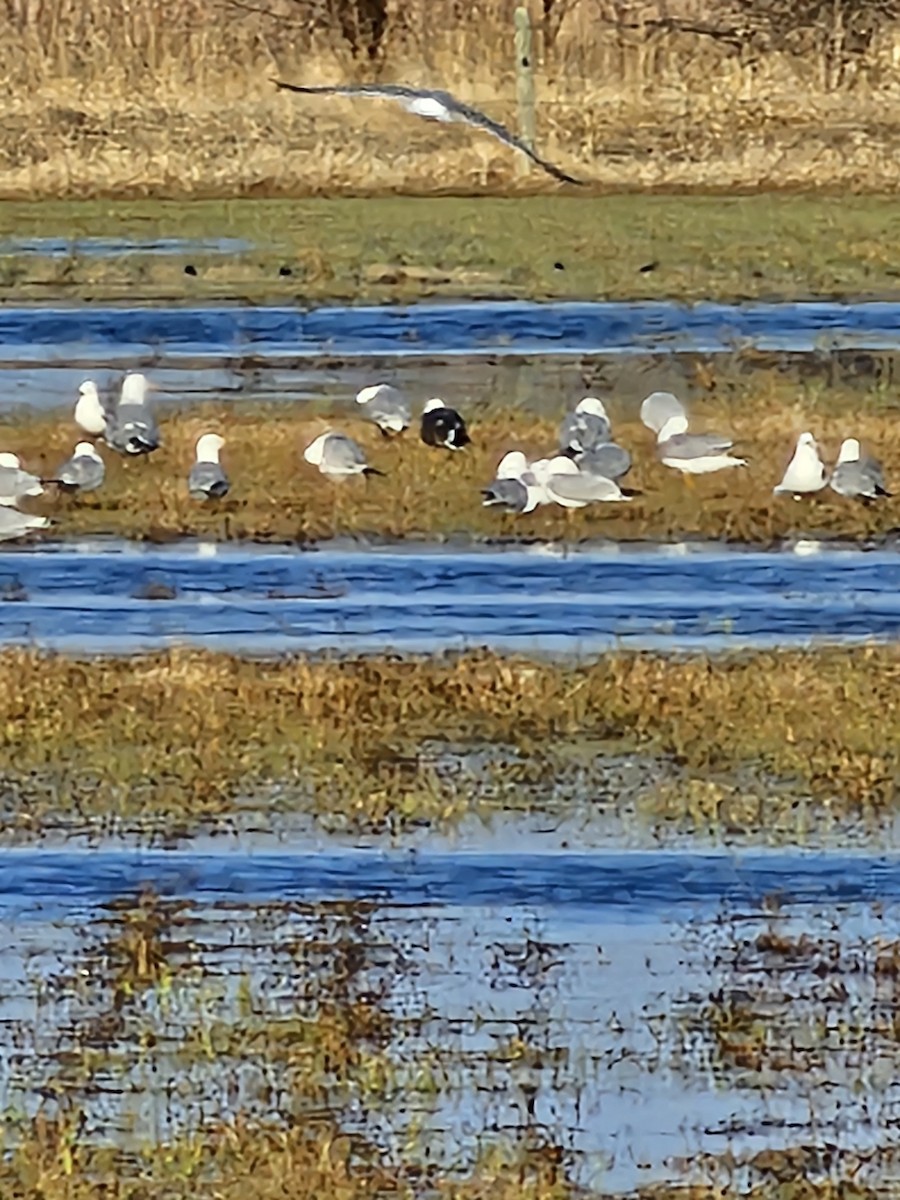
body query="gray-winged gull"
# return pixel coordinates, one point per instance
(443, 426)
(206, 478)
(609, 460)
(84, 471)
(586, 428)
(131, 428)
(514, 486)
(690, 453)
(16, 483)
(434, 105)
(858, 474)
(805, 472)
(386, 406)
(339, 456)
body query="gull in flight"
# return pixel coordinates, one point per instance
(857, 474)
(434, 106)
(805, 472)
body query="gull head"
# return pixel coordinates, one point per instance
(677, 423)
(9, 460)
(86, 450)
(807, 442)
(208, 447)
(315, 451)
(512, 465)
(592, 407)
(134, 388)
(433, 405)
(369, 393)
(849, 451)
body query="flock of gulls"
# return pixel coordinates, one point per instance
(586, 470)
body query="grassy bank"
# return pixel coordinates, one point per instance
(628, 96)
(615, 247)
(430, 493)
(172, 740)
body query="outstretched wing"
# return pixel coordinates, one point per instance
(474, 116)
(464, 112)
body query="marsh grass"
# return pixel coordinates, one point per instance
(624, 98)
(175, 739)
(276, 496)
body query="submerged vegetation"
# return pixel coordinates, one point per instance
(275, 496)
(172, 741)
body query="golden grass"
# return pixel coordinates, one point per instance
(180, 736)
(276, 495)
(160, 99)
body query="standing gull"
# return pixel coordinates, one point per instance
(805, 472)
(443, 426)
(339, 456)
(206, 479)
(90, 413)
(83, 472)
(15, 524)
(132, 428)
(386, 406)
(586, 428)
(434, 105)
(857, 474)
(16, 483)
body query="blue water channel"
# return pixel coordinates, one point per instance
(119, 597)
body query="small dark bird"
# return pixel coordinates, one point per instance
(443, 426)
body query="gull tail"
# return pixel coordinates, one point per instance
(373, 471)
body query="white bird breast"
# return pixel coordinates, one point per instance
(428, 106)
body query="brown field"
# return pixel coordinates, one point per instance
(427, 492)
(172, 97)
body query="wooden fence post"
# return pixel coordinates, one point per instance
(524, 86)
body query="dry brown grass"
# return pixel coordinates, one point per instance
(276, 495)
(165, 97)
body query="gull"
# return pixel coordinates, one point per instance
(565, 484)
(434, 105)
(131, 428)
(609, 460)
(337, 455)
(16, 483)
(857, 474)
(805, 472)
(386, 406)
(90, 412)
(83, 472)
(206, 479)
(443, 426)
(509, 488)
(15, 524)
(691, 453)
(586, 428)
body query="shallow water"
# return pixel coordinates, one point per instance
(569, 998)
(93, 597)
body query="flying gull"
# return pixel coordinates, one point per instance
(443, 426)
(83, 472)
(805, 472)
(206, 479)
(586, 428)
(337, 455)
(857, 474)
(434, 105)
(15, 524)
(386, 406)
(132, 428)
(16, 483)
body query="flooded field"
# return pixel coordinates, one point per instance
(358, 840)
